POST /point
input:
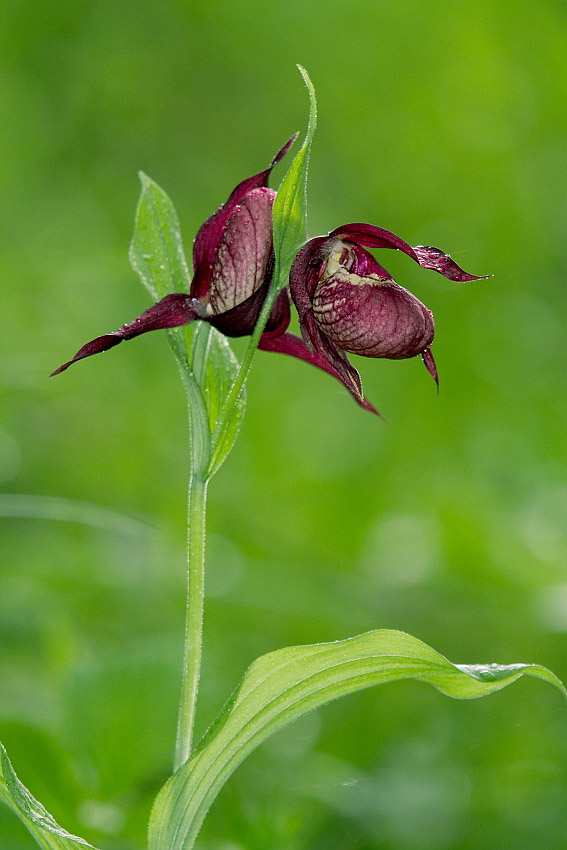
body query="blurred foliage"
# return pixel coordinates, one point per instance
(442, 121)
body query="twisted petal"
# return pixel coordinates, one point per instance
(210, 233)
(287, 343)
(427, 257)
(430, 365)
(170, 312)
(179, 309)
(326, 348)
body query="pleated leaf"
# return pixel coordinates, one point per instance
(286, 684)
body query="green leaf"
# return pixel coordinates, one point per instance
(220, 372)
(290, 231)
(282, 686)
(40, 823)
(214, 368)
(289, 234)
(290, 205)
(156, 250)
(156, 254)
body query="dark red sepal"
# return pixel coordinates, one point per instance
(427, 257)
(294, 346)
(172, 311)
(430, 365)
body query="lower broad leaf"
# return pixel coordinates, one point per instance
(40, 823)
(286, 684)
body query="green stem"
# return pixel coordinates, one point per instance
(196, 522)
(199, 447)
(194, 619)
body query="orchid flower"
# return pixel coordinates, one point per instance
(232, 264)
(347, 302)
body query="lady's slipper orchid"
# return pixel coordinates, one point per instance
(347, 302)
(233, 266)
(232, 263)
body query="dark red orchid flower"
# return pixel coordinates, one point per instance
(347, 302)
(232, 263)
(233, 266)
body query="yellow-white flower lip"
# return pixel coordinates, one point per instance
(342, 275)
(339, 258)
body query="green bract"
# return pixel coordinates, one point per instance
(290, 206)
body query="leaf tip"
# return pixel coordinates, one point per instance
(312, 98)
(145, 180)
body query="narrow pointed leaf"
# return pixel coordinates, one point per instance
(156, 250)
(156, 254)
(215, 367)
(222, 369)
(48, 834)
(282, 686)
(290, 205)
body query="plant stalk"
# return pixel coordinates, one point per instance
(194, 618)
(196, 537)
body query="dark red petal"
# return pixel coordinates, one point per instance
(209, 235)
(322, 345)
(243, 254)
(430, 365)
(101, 343)
(371, 316)
(427, 257)
(170, 312)
(294, 346)
(241, 320)
(305, 272)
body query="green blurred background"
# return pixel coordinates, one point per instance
(444, 121)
